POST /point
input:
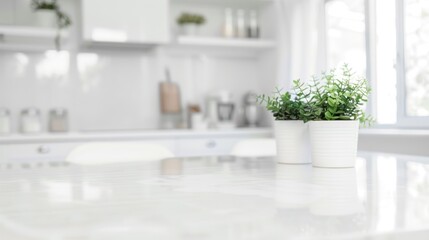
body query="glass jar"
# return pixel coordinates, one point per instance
(30, 121)
(58, 120)
(5, 122)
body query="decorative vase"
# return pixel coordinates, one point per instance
(292, 142)
(190, 29)
(334, 143)
(45, 18)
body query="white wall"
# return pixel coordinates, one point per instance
(112, 88)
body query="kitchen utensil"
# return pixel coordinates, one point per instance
(196, 117)
(228, 27)
(212, 111)
(5, 122)
(241, 25)
(169, 95)
(30, 120)
(251, 112)
(253, 28)
(225, 109)
(58, 120)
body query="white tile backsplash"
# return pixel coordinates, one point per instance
(114, 88)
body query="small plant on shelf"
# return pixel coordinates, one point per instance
(191, 18)
(190, 23)
(62, 19)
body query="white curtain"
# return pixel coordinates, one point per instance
(302, 39)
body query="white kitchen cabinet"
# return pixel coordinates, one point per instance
(35, 151)
(126, 21)
(182, 143)
(56, 151)
(59, 151)
(206, 146)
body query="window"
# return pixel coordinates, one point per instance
(416, 43)
(389, 42)
(345, 25)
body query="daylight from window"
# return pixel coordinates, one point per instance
(345, 25)
(384, 64)
(396, 97)
(417, 57)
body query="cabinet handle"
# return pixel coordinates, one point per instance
(211, 144)
(43, 149)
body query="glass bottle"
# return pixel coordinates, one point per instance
(228, 28)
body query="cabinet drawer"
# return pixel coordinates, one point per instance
(206, 146)
(57, 151)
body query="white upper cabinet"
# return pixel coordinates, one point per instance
(126, 21)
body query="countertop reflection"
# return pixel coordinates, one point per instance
(384, 197)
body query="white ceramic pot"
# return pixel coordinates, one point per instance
(334, 143)
(190, 29)
(46, 18)
(292, 142)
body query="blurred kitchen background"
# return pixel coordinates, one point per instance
(115, 54)
(95, 70)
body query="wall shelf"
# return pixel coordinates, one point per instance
(225, 42)
(28, 38)
(218, 46)
(232, 3)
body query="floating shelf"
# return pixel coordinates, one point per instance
(24, 31)
(225, 42)
(247, 3)
(218, 46)
(28, 38)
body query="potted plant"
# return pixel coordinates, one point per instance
(49, 14)
(291, 130)
(190, 23)
(337, 101)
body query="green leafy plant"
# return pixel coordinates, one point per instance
(292, 105)
(342, 96)
(63, 20)
(335, 95)
(191, 18)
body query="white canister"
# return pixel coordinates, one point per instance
(228, 25)
(198, 121)
(46, 18)
(292, 141)
(5, 122)
(334, 143)
(241, 25)
(30, 121)
(190, 29)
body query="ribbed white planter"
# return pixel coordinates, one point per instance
(334, 143)
(292, 142)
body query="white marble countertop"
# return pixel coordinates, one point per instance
(130, 135)
(17, 138)
(384, 197)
